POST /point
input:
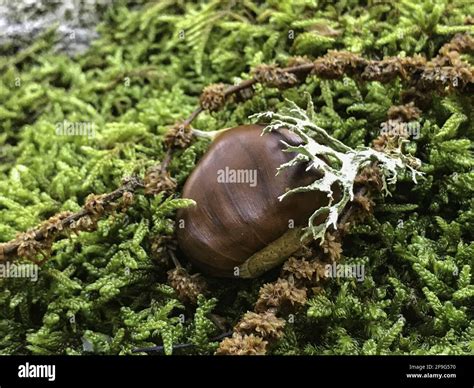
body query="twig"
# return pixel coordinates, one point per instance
(9, 250)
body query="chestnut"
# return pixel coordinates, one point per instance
(239, 227)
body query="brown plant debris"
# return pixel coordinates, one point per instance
(390, 68)
(54, 224)
(370, 177)
(188, 287)
(305, 273)
(242, 345)
(447, 77)
(85, 224)
(281, 295)
(406, 112)
(336, 64)
(365, 206)
(127, 200)
(273, 76)
(332, 247)
(29, 247)
(384, 142)
(298, 60)
(416, 70)
(39, 240)
(213, 97)
(95, 204)
(301, 269)
(447, 68)
(266, 325)
(178, 136)
(461, 43)
(364, 202)
(158, 180)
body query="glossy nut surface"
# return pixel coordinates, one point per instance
(234, 220)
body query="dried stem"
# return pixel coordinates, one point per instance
(9, 250)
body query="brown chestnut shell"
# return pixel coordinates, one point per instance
(232, 221)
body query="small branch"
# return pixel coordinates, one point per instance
(49, 231)
(166, 160)
(192, 116)
(240, 86)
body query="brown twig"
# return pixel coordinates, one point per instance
(444, 73)
(9, 250)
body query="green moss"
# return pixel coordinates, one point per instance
(105, 291)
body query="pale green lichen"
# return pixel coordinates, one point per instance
(338, 163)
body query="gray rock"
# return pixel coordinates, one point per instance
(21, 21)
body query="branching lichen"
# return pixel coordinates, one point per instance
(338, 163)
